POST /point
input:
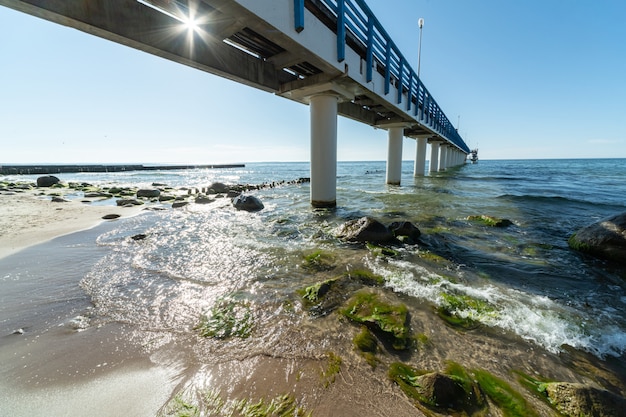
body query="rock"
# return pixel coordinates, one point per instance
(59, 200)
(604, 239)
(110, 216)
(247, 203)
(179, 204)
(217, 188)
(405, 229)
(387, 320)
(203, 199)
(365, 229)
(441, 390)
(128, 202)
(148, 193)
(575, 400)
(490, 221)
(47, 181)
(140, 236)
(166, 197)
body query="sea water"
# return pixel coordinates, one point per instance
(529, 282)
(534, 284)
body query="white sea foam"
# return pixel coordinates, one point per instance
(535, 318)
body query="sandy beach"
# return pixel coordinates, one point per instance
(29, 217)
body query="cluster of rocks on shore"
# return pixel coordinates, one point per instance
(162, 193)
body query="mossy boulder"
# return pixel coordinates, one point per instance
(367, 345)
(490, 221)
(389, 321)
(605, 239)
(325, 296)
(437, 390)
(574, 400)
(318, 261)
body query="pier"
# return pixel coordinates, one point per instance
(332, 55)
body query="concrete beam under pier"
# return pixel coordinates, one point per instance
(394, 155)
(324, 150)
(434, 156)
(420, 155)
(443, 154)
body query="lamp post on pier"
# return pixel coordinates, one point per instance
(420, 23)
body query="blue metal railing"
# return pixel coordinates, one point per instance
(356, 18)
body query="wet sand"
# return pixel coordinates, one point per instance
(51, 363)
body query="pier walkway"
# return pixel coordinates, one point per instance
(333, 55)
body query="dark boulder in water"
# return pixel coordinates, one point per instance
(47, 181)
(605, 239)
(581, 400)
(217, 188)
(406, 230)
(247, 203)
(441, 390)
(148, 193)
(365, 229)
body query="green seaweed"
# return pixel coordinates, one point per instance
(228, 318)
(389, 320)
(510, 402)
(279, 406)
(365, 277)
(578, 245)
(382, 250)
(212, 404)
(367, 345)
(333, 367)
(318, 261)
(490, 221)
(406, 378)
(467, 401)
(474, 309)
(314, 293)
(432, 257)
(179, 407)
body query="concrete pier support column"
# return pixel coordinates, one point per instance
(420, 156)
(324, 150)
(443, 152)
(434, 157)
(394, 155)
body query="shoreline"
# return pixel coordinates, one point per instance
(28, 217)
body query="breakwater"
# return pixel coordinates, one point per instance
(59, 169)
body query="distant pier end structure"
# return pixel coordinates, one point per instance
(333, 55)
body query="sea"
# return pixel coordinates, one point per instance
(530, 285)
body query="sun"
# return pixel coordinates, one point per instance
(191, 24)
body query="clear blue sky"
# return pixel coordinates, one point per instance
(529, 79)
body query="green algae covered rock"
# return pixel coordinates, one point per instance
(574, 400)
(325, 296)
(490, 221)
(450, 393)
(605, 239)
(390, 321)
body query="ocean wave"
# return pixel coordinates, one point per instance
(533, 317)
